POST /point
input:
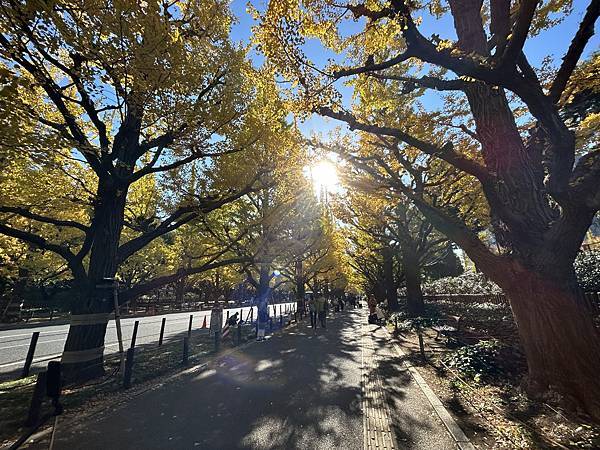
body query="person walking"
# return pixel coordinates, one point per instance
(322, 310)
(372, 304)
(312, 309)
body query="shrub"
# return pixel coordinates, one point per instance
(478, 361)
(406, 323)
(467, 283)
(587, 268)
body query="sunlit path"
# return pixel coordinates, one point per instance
(337, 388)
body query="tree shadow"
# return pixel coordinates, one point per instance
(298, 389)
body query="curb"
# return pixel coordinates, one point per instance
(458, 435)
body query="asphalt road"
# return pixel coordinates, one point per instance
(296, 390)
(14, 343)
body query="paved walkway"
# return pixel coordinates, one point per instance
(340, 388)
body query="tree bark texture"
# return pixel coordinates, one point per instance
(559, 338)
(84, 348)
(391, 293)
(412, 275)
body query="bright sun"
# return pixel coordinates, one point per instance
(323, 175)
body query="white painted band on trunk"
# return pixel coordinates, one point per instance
(78, 356)
(89, 319)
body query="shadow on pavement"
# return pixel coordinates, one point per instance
(298, 389)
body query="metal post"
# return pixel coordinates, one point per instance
(217, 341)
(36, 400)
(421, 345)
(162, 331)
(128, 368)
(280, 319)
(134, 335)
(118, 323)
(190, 325)
(227, 314)
(29, 359)
(186, 350)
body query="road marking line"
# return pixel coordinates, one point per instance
(27, 345)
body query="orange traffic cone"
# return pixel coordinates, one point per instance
(204, 322)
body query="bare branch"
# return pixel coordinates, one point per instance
(581, 38)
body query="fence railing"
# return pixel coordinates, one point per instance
(190, 346)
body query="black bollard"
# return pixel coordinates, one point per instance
(134, 335)
(29, 359)
(186, 350)
(36, 400)
(217, 341)
(128, 368)
(162, 331)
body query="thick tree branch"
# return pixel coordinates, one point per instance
(374, 67)
(38, 241)
(581, 38)
(149, 286)
(519, 32)
(150, 168)
(23, 212)
(177, 219)
(446, 153)
(427, 82)
(499, 23)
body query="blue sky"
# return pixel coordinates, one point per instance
(553, 43)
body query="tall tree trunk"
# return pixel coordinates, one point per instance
(180, 288)
(558, 336)
(391, 293)
(262, 294)
(412, 276)
(11, 311)
(300, 286)
(83, 354)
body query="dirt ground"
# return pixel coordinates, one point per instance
(495, 413)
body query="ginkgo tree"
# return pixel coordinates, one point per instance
(502, 125)
(279, 230)
(98, 96)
